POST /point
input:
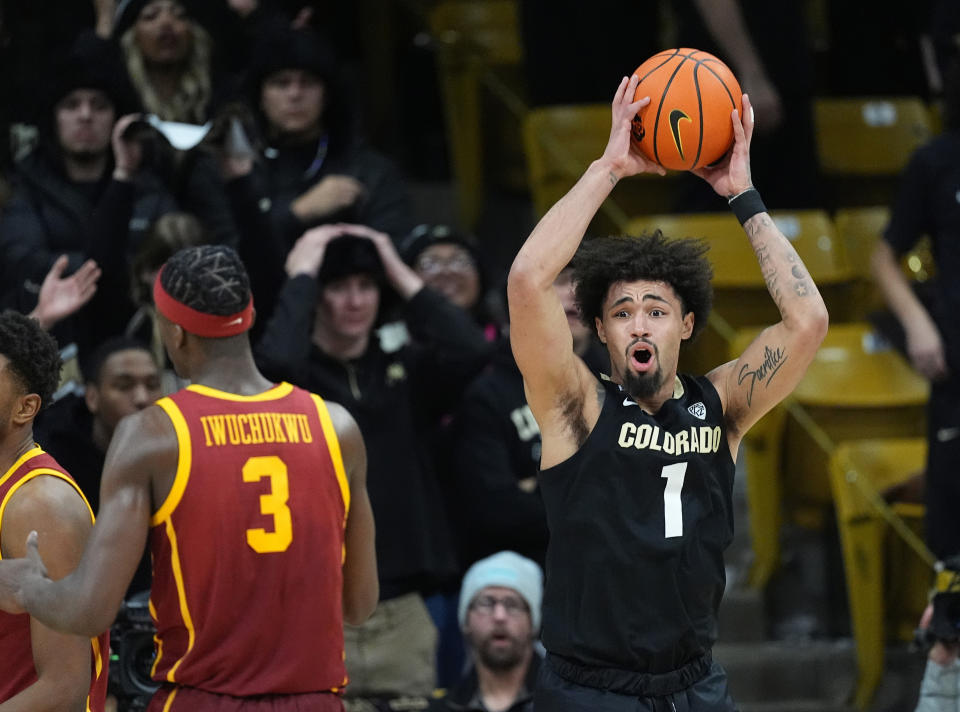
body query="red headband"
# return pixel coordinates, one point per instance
(210, 326)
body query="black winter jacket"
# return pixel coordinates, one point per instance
(396, 399)
(50, 215)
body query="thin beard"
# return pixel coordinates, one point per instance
(645, 386)
(507, 661)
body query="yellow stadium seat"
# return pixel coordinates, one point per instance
(859, 229)
(479, 55)
(855, 388)
(863, 143)
(860, 471)
(561, 141)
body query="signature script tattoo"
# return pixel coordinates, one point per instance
(773, 359)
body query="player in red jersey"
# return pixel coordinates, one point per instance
(42, 669)
(254, 498)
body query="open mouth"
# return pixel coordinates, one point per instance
(642, 356)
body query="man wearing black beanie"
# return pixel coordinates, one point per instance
(79, 193)
(312, 167)
(322, 336)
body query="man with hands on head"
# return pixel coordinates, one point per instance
(322, 337)
(637, 472)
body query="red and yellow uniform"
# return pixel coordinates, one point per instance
(248, 546)
(15, 651)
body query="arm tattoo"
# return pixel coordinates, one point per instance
(613, 178)
(800, 284)
(768, 270)
(773, 359)
(754, 225)
(800, 287)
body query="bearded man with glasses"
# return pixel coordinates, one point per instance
(499, 614)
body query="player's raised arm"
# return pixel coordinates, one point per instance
(539, 333)
(773, 364)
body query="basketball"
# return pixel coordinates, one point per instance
(687, 122)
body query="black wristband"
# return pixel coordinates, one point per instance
(747, 204)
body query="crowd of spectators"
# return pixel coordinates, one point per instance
(160, 124)
(151, 125)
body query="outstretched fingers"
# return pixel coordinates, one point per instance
(59, 266)
(743, 127)
(639, 104)
(621, 91)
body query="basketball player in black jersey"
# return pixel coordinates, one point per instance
(637, 472)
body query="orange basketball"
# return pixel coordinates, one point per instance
(687, 122)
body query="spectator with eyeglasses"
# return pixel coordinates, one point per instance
(451, 263)
(499, 613)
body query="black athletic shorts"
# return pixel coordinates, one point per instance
(555, 694)
(942, 482)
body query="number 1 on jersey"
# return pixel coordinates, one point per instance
(672, 505)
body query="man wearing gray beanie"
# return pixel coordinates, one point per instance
(499, 614)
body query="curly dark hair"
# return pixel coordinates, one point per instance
(208, 278)
(33, 353)
(682, 264)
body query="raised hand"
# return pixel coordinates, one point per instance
(401, 276)
(62, 296)
(127, 150)
(329, 195)
(306, 255)
(731, 175)
(381, 240)
(620, 156)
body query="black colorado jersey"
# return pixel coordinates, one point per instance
(639, 519)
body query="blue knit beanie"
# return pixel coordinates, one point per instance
(509, 570)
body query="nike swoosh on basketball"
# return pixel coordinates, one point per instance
(676, 116)
(946, 434)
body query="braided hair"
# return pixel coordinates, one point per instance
(208, 278)
(33, 354)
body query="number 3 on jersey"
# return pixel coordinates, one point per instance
(672, 504)
(273, 503)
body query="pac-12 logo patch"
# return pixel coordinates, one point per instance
(698, 410)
